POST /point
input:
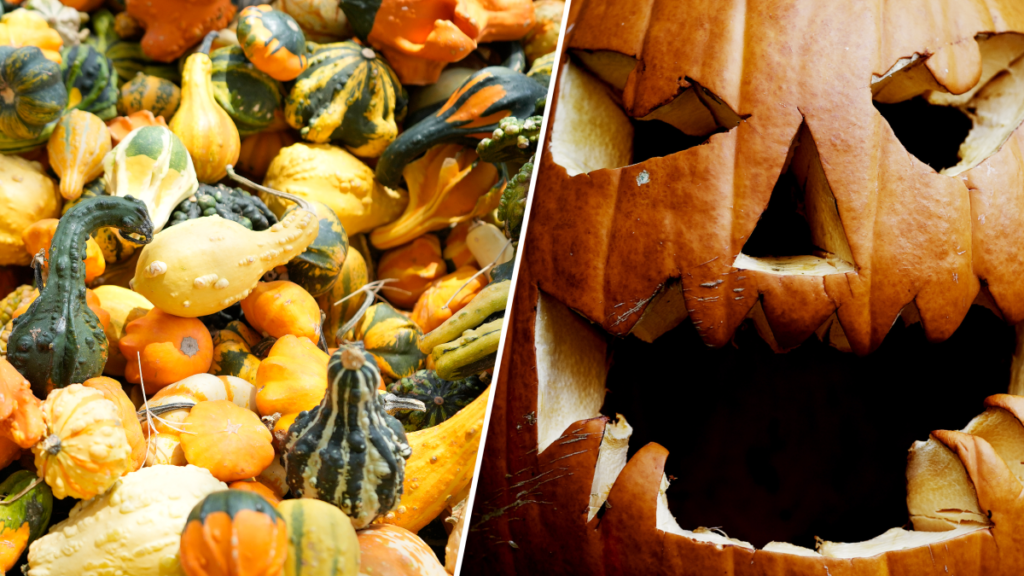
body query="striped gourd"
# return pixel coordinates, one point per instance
(249, 96)
(158, 95)
(392, 339)
(354, 276)
(317, 269)
(91, 81)
(321, 540)
(347, 94)
(348, 451)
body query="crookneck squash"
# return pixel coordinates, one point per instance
(348, 95)
(249, 96)
(470, 114)
(234, 532)
(273, 41)
(443, 398)
(37, 92)
(91, 81)
(230, 203)
(59, 341)
(348, 451)
(206, 130)
(158, 95)
(321, 540)
(318, 267)
(24, 520)
(76, 150)
(391, 338)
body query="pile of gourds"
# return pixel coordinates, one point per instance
(254, 262)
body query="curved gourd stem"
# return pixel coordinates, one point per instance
(204, 48)
(393, 403)
(38, 261)
(302, 202)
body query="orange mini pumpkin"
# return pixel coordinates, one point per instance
(455, 290)
(120, 127)
(39, 236)
(281, 308)
(292, 378)
(172, 27)
(172, 349)
(414, 266)
(234, 533)
(388, 550)
(226, 439)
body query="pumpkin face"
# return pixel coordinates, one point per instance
(170, 348)
(234, 532)
(226, 439)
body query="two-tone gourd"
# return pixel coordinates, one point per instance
(24, 520)
(37, 94)
(251, 97)
(273, 41)
(348, 451)
(202, 266)
(236, 532)
(467, 342)
(91, 80)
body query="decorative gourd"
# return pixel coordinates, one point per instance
(231, 203)
(232, 355)
(261, 489)
(474, 352)
(76, 150)
(28, 28)
(389, 550)
(455, 249)
(458, 522)
(542, 39)
(543, 68)
(205, 265)
(121, 126)
(91, 300)
(281, 308)
(143, 514)
(91, 80)
(249, 96)
(111, 390)
(228, 440)
(174, 27)
(472, 113)
(66, 20)
(11, 302)
(491, 300)
(321, 540)
(360, 469)
(442, 463)
(349, 95)
(126, 26)
(24, 520)
(236, 533)
(124, 306)
(318, 267)
(153, 165)
(127, 56)
(273, 41)
(85, 448)
(27, 194)
(447, 185)
(258, 150)
(169, 348)
(21, 416)
(328, 174)
(59, 340)
(38, 93)
(292, 378)
(427, 99)
(39, 236)
(206, 130)
(158, 95)
(320, 20)
(414, 266)
(338, 310)
(391, 338)
(275, 477)
(442, 398)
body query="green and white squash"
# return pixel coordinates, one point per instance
(442, 398)
(232, 204)
(319, 266)
(91, 81)
(249, 96)
(158, 95)
(347, 94)
(392, 339)
(153, 165)
(24, 520)
(348, 451)
(38, 96)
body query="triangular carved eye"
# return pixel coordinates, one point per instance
(800, 231)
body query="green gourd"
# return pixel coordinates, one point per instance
(59, 341)
(249, 96)
(321, 540)
(91, 81)
(25, 519)
(158, 95)
(348, 451)
(127, 56)
(318, 267)
(442, 398)
(232, 204)
(38, 96)
(475, 351)
(391, 337)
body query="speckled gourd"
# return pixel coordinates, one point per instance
(202, 266)
(59, 340)
(348, 451)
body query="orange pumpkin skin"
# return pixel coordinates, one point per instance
(387, 550)
(120, 127)
(292, 378)
(21, 417)
(39, 236)
(430, 311)
(234, 533)
(171, 348)
(112, 391)
(281, 308)
(259, 149)
(414, 266)
(226, 439)
(257, 487)
(172, 27)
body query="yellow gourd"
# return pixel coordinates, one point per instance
(202, 266)
(124, 306)
(203, 126)
(76, 150)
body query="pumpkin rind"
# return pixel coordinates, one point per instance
(321, 540)
(39, 89)
(348, 451)
(273, 41)
(172, 28)
(443, 398)
(251, 97)
(292, 378)
(111, 390)
(91, 81)
(319, 266)
(59, 340)
(350, 95)
(228, 440)
(168, 348)
(391, 337)
(24, 521)
(158, 95)
(76, 150)
(280, 308)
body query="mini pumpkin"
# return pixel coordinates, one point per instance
(226, 439)
(76, 150)
(172, 28)
(233, 357)
(85, 448)
(395, 551)
(234, 532)
(391, 337)
(39, 236)
(316, 269)
(442, 398)
(91, 80)
(251, 97)
(258, 488)
(414, 266)
(321, 540)
(273, 41)
(292, 378)
(171, 349)
(111, 390)
(280, 308)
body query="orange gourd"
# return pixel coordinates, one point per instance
(258, 488)
(413, 266)
(226, 439)
(174, 26)
(21, 419)
(120, 127)
(281, 308)
(292, 378)
(388, 550)
(112, 391)
(455, 247)
(39, 236)
(234, 533)
(430, 310)
(259, 149)
(76, 150)
(171, 349)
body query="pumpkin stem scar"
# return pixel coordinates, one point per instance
(51, 445)
(189, 346)
(232, 428)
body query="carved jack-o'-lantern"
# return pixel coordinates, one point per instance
(816, 168)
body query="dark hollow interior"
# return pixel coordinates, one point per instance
(782, 229)
(813, 442)
(933, 134)
(655, 139)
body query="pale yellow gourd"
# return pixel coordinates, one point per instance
(202, 266)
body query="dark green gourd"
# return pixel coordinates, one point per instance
(348, 451)
(442, 398)
(59, 341)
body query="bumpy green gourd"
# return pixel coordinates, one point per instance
(474, 352)
(318, 267)
(59, 341)
(36, 98)
(512, 208)
(348, 451)
(91, 80)
(230, 203)
(441, 398)
(514, 140)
